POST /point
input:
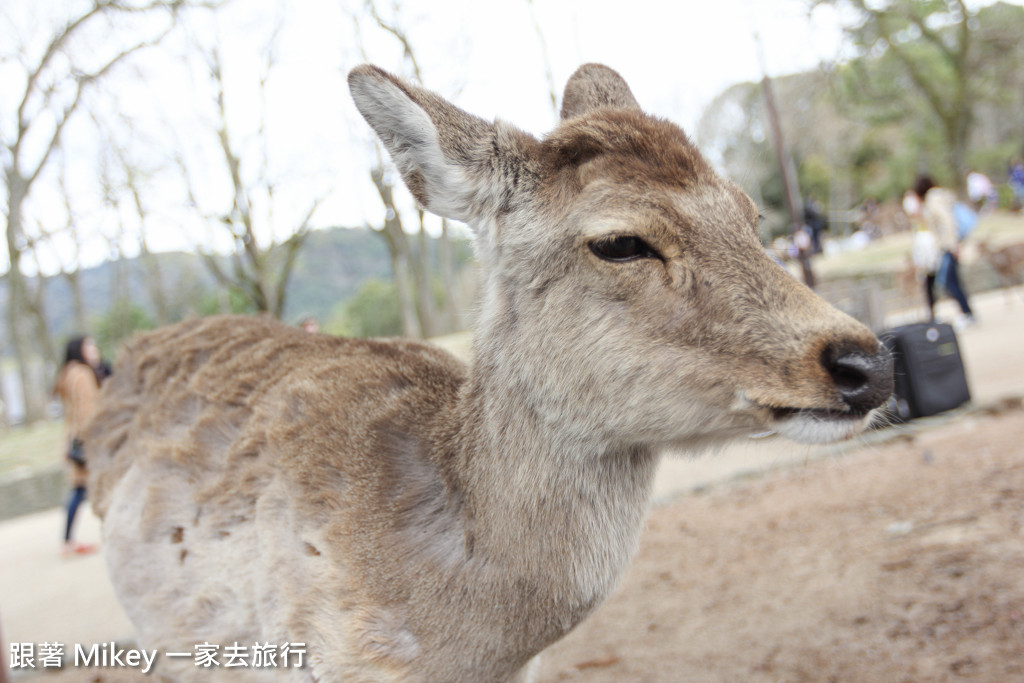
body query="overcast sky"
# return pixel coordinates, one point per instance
(489, 58)
(486, 56)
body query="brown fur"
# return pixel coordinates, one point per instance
(593, 86)
(409, 518)
(1008, 261)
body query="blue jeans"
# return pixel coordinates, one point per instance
(950, 268)
(77, 496)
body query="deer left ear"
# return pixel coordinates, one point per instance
(456, 165)
(593, 86)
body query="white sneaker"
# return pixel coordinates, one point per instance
(964, 322)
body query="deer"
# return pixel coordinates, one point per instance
(406, 516)
(1007, 261)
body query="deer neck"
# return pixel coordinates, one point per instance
(549, 510)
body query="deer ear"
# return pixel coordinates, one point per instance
(593, 86)
(456, 165)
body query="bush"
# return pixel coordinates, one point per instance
(373, 311)
(122, 320)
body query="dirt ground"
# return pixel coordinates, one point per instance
(894, 563)
(898, 563)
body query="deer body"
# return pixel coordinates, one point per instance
(1007, 261)
(409, 518)
(275, 494)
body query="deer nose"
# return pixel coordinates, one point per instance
(864, 380)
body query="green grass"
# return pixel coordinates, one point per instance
(40, 446)
(881, 256)
(1000, 228)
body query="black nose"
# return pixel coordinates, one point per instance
(864, 380)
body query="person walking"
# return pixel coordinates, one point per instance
(1015, 179)
(937, 214)
(78, 385)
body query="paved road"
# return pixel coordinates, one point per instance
(46, 598)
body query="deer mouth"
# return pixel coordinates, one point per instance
(817, 414)
(818, 425)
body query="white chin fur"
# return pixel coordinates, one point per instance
(807, 428)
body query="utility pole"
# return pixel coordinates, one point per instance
(791, 190)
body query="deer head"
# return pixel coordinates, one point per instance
(627, 298)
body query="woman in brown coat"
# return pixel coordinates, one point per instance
(77, 386)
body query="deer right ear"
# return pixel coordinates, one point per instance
(456, 165)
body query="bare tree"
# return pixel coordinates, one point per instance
(154, 274)
(398, 251)
(35, 306)
(71, 272)
(53, 87)
(118, 236)
(257, 269)
(548, 72)
(129, 186)
(69, 259)
(411, 269)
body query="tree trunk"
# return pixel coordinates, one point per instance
(446, 258)
(154, 277)
(426, 307)
(36, 302)
(401, 256)
(403, 283)
(74, 280)
(33, 402)
(155, 284)
(959, 141)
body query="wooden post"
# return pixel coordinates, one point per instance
(791, 190)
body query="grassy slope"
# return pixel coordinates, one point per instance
(889, 254)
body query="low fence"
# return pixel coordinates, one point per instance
(878, 299)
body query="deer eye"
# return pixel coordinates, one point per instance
(622, 248)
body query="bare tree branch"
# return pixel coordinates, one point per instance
(70, 109)
(82, 80)
(291, 247)
(400, 34)
(548, 75)
(51, 51)
(398, 249)
(260, 271)
(19, 179)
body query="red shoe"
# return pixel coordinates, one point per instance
(75, 548)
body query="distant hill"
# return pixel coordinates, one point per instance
(329, 269)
